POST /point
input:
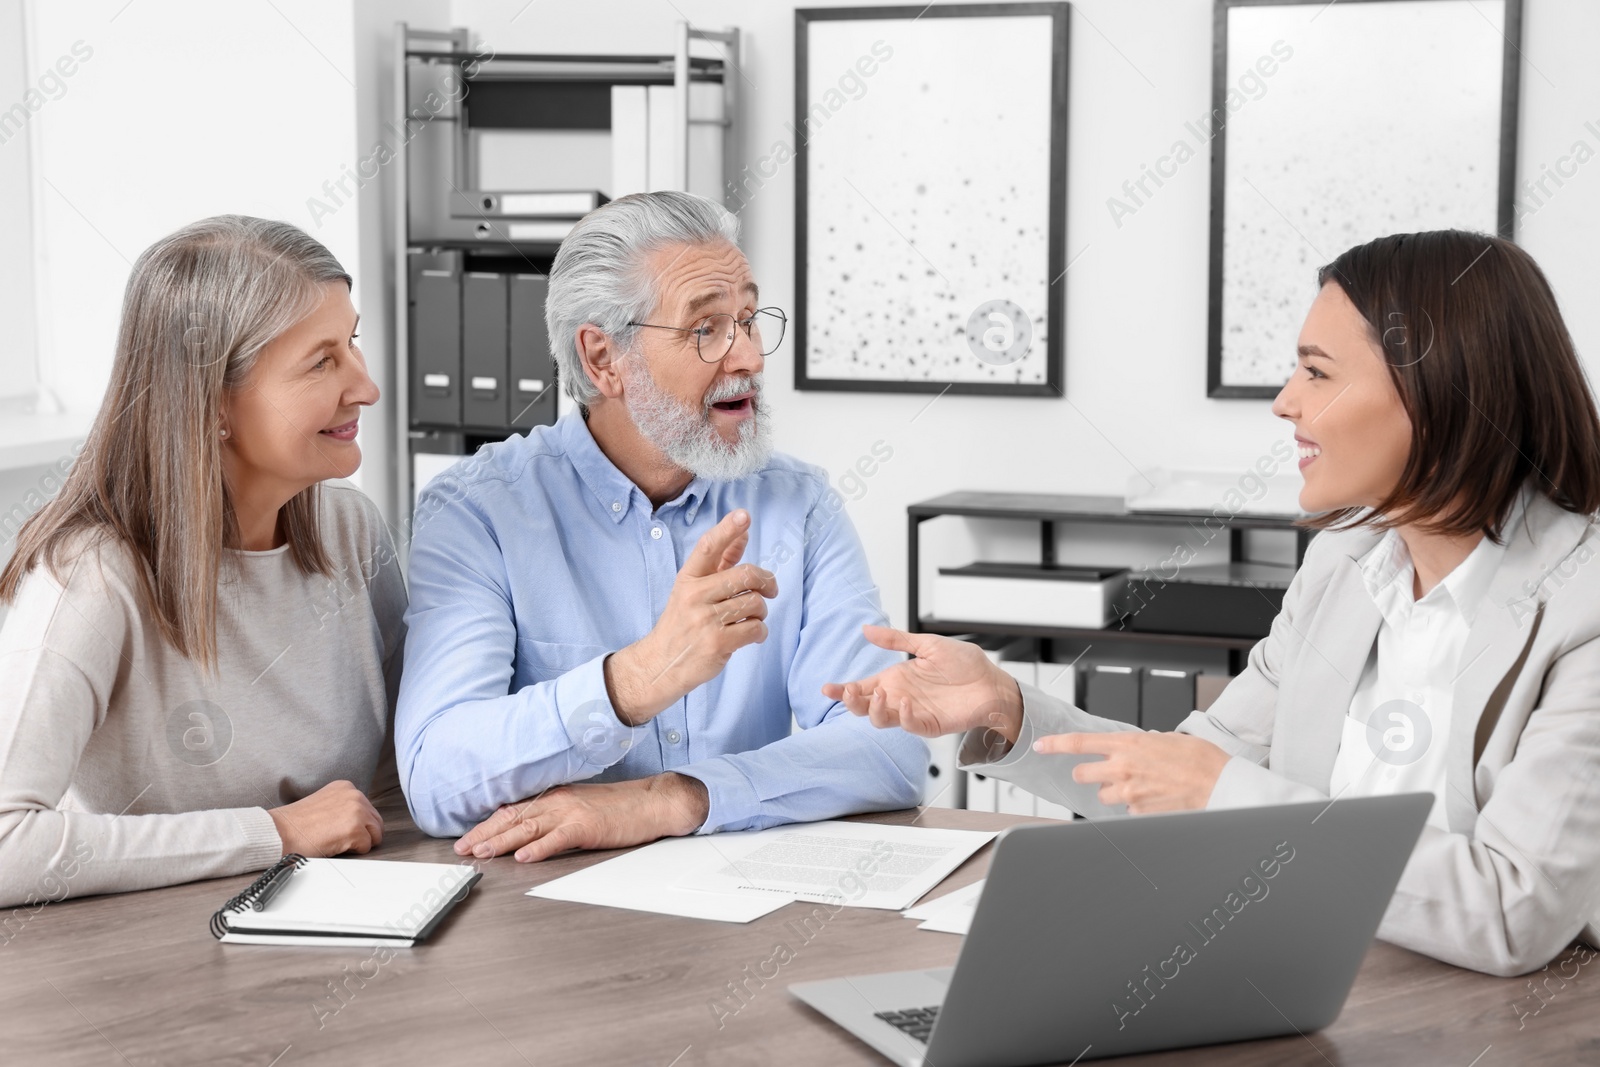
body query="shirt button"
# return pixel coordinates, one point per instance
(673, 737)
(616, 505)
(655, 532)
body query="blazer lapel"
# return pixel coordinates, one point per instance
(1332, 656)
(1502, 634)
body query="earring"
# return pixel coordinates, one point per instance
(222, 432)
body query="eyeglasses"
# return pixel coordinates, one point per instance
(714, 334)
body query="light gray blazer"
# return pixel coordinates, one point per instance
(1518, 876)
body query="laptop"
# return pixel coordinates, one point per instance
(1136, 934)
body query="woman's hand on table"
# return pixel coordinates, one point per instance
(337, 818)
(1147, 771)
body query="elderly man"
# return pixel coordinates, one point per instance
(589, 663)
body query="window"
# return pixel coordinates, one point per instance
(18, 334)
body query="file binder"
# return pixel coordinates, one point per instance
(1111, 692)
(436, 348)
(1166, 699)
(630, 140)
(483, 349)
(532, 372)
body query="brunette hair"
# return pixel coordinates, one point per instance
(1477, 349)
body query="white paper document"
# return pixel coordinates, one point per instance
(864, 865)
(951, 913)
(644, 880)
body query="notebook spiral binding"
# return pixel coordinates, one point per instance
(259, 891)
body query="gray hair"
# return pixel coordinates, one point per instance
(242, 282)
(600, 276)
(199, 307)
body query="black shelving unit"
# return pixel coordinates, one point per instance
(1048, 509)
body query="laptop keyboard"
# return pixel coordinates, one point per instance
(914, 1022)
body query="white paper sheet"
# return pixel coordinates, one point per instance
(951, 913)
(864, 865)
(644, 880)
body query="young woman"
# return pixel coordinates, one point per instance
(1443, 635)
(198, 671)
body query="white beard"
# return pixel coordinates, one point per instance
(686, 436)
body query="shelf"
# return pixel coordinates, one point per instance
(475, 431)
(542, 249)
(623, 59)
(950, 628)
(610, 69)
(1049, 509)
(1062, 507)
(30, 440)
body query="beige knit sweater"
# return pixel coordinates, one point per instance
(124, 765)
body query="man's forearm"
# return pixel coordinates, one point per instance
(843, 766)
(684, 802)
(636, 689)
(1006, 720)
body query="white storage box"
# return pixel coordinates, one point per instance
(1029, 594)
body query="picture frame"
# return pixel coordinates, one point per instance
(951, 284)
(1419, 132)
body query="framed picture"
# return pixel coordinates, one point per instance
(930, 207)
(1331, 125)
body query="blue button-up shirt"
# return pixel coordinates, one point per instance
(536, 558)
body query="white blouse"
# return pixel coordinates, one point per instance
(1398, 728)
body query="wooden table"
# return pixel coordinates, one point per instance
(509, 979)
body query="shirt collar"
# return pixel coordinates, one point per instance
(1385, 565)
(693, 495)
(614, 490)
(1469, 582)
(1388, 572)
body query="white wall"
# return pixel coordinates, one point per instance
(1136, 300)
(187, 109)
(184, 109)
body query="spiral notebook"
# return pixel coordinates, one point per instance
(300, 901)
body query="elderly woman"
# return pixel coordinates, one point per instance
(199, 669)
(1440, 637)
